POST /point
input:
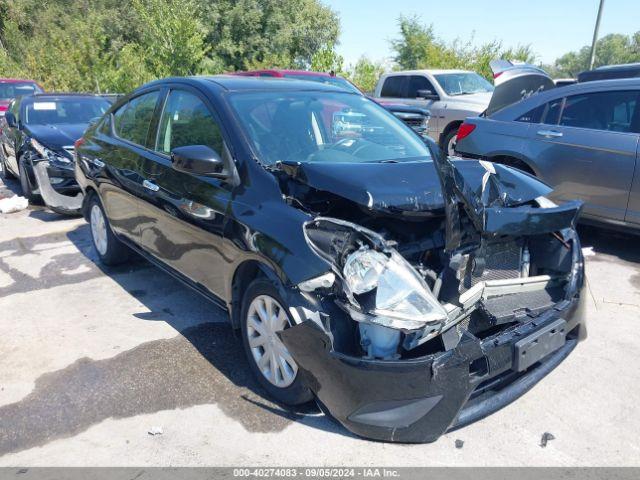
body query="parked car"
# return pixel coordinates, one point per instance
(581, 139)
(320, 77)
(11, 88)
(611, 72)
(449, 95)
(414, 116)
(36, 144)
(408, 293)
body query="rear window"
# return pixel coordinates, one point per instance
(393, 87)
(16, 89)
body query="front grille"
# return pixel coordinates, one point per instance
(502, 261)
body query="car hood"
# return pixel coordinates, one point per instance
(480, 99)
(415, 188)
(515, 82)
(56, 137)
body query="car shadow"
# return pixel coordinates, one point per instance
(610, 242)
(204, 364)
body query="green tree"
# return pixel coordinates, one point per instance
(365, 74)
(419, 47)
(610, 50)
(327, 60)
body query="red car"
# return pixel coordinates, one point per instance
(320, 77)
(11, 88)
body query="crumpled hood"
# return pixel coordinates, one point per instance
(414, 188)
(56, 137)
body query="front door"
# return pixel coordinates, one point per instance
(586, 149)
(188, 211)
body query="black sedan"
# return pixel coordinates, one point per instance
(36, 144)
(407, 293)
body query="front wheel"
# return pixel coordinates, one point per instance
(263, 315)
(110, 250)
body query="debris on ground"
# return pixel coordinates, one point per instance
(546, 438)
(459, 444)
(13, 204)
(155, 431)
(588, 252)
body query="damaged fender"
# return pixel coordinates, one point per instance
(50, 196)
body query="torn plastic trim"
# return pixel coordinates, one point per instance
(50, 196)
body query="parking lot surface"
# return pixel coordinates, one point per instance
(93, 358)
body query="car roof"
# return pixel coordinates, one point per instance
(55, 95)
(281, 71)
(622, 66)
(17, 80)
(427, 70)
(539, 98)
(236, 83)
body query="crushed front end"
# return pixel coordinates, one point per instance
(425, 323)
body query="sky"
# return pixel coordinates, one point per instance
(551, 27)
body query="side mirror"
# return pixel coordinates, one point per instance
(198, 160)
(11, 120)
(427, 94)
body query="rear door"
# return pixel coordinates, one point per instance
(585, 148)
(633, 209)
(186, 212)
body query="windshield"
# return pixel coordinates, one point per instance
(42, 111)
(335, 81)
(16, 89)
(464, 83)
(324, 127)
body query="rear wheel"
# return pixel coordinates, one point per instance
(110, 250)
(263, 315)
(449, 142)
(27, 182)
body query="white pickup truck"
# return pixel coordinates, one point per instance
(450, 96)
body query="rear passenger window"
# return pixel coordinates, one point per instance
(132, 121)
(612, 111)
(393, 87)
(186, 120)
(532, 116)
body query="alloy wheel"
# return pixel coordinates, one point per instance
(99, 229)
(266, 317)
(451, 146)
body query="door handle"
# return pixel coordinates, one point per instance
(549, 133)
(150, 186)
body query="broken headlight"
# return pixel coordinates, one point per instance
(53, 158)
(390, 290)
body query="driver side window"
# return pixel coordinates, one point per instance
(186, 120)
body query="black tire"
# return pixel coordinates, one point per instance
(4, 173)
(294, 394)
(26, 183)
(114, 252)
(64, 211)
(447, 139)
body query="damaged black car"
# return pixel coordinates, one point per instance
(37, 136)
(407, 293)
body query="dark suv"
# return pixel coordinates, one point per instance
(406, 292)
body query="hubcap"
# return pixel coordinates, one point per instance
(451, 148)
(265, 317)
(98, 230)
